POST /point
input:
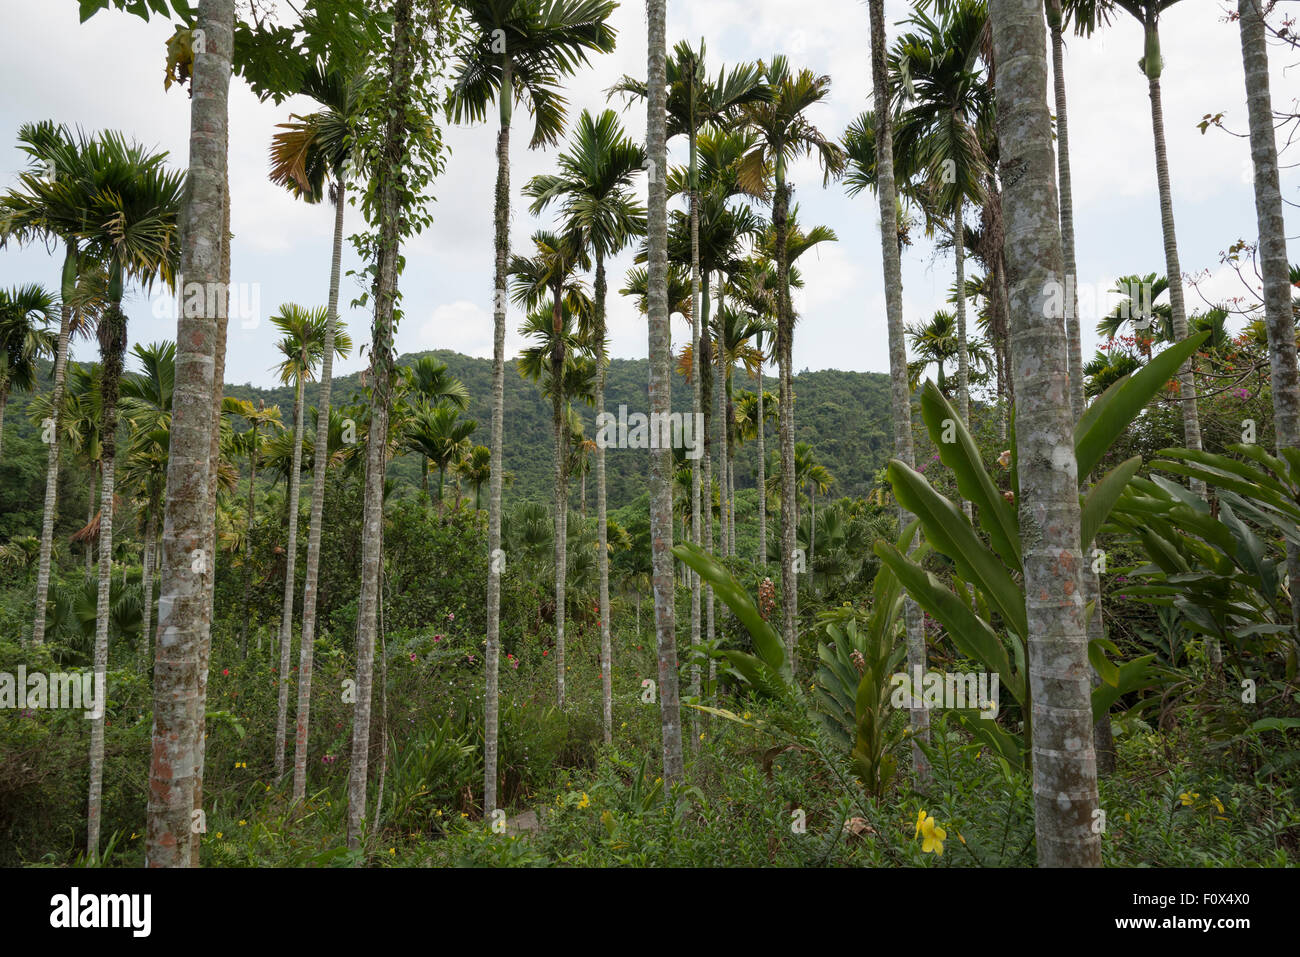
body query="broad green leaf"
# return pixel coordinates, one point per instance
(996, 516)
(1110, 415)
(767, 642)
(949, 532)
(1102, 498)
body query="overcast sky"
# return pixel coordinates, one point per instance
(108, 73)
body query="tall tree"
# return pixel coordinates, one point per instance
(24, 314)
(661, 492)
(42, 207)
(549, 276)
(312, 158)
(1278, 316)
(594, 188)
(1064, 764)
(517, 50)
(784, 134)
(304, 346)
(131, 226)
(900, 395)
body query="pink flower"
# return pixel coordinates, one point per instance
(437, 638)
(451, 616)
(413, 656)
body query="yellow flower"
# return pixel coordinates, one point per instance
(932, 837)
(701, 735)
(392, 851)
(585, 801)
(438, 813)
(463, 814)
(1218, 805)
(746, 715)
(920, 819)
(623, 725)
(219, 835)
(242, 823)
(1188, 798)
(134, 835)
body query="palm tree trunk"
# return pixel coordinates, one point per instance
(661, 491)
(248, 544)
(4, 400)
(602, 527)
(697, 527)
(210, 528)
(762, 476)
(320, 466)
(146, 607)
(720, 424)
(290, 583)
(112, 348)
(1064, 763)
(1103, 738)
(731, 464)
(901, 401)
(52, 454)
(96, 476)
(963, 356)
(496, 557)
(1186, 381)
(561, 512)
(401, 67)
(706, 460)
(784, 333)
(183, 610)
(1273, 256)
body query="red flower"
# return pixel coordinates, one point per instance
(545, 653)
(225, 671)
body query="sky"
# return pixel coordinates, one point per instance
(108, 73)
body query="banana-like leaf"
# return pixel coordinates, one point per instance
(996, 516)
(767, 642)
(1110, 415)
(967, 630)
(948, 531)
(1102, 498)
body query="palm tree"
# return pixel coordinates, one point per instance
(24, 313)
(131, 226)
(147, 404)
(47, 204)
(175, 775)
(1064, 761)
(547, 278)
(311, 150)
(900, 397)
(1279, 320)
(439, 435)
(936, 343)
(692, 103)
(516, 50)
(476, 469)
(306, 332)
(432, 384)
(1147, 13)
(661, 492)
(594, 187)
(784, 134)
(947, 102)
(251, 442)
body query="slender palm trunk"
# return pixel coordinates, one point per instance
(1272, 256)
(112, 348)
(762, 473)
(401, 66)
(1064, 763)
(901, 402)
(92, 496)
(706, 468)
(661, 491)
(183, 610)
(963, 356)
(1186, 380)
(602, 527)
(146, 607)
(784, 333)
(320, 465)
(248, 544)
(290, 583)
(52, 453)
(496, 557)
(1103, 738)
(720, 422)
(561, 513)
(697, 386)
(731, 465)
(4, 400)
